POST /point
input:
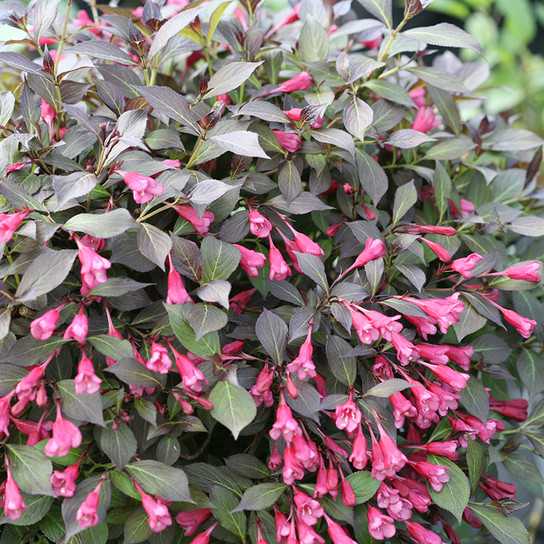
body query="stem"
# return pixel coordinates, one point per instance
(193, 157)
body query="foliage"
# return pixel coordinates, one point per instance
(259, 276)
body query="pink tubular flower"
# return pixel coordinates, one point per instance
(457, 381)
(374, 249)
(159, 361)
(308, 509)
(447, 449)
(306, 244)
(9, 223)
(387, 459)
(358, 457)
(348, 415)
(418, 96)
(261, 390)
(422, 535)
(65, 436)
(43, 327)
(295, 114)
(402, 408)
(174, 163)
(425, 120)
(337, 533)
(159, 516)
(259, 225)
(64, 482)
(144, 188)
(78, 329)
(306, 535)
(523, 325)
(303, 364)
(279, 269)
(291, 17)
(424, 326)
(177, 294)
(380, 526)
(86, 380)
(435, 474)
(190, 521)
(292, 468)
(406, 351)
(288, 140)
(285, 425)
(444, 311)
(515, 409)
(300, 82)
(251, 261)
(438, 250)
(27, 387)
(527, 272)
(93, 268)
(461, 355)
(4, 413)
(202, 226)
(86, 514)
(466, 265)
(191, 376)
(14, 505)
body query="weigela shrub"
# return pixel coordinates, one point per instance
(262, 280)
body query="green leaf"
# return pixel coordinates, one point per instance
(313, 41)
(233, 406)
(247, 466)
(45, 273)
(29, 351)
(160, 479)
(474, 398)
(530, 366)
(312, 266)
(118, 444)
(101, 49)
(146, 409)
(455, 493)
(371, 175)
(272, 333)
(154, 244)
(215, 291)
(442, 189)
(224, 503)
(446, 35)
(37, 508)
(204, 318)
(136, 528)
(343, 368)
(110, 346)
(207, 345)
(132, 372)
(364, 486)
(241, 142)
(522, 468)
(85, 408)
(450, 149)
(475, 462)
(168, 450)
(215, 18)
(405, 198)
(507, 529)
(469, 321)
(230, 77)
(387, 388)
(219, 259)
(261, 496)
(382, 9)
(407, 138)
(31, 469)
(117, 287)
(10, 376)
(289, 181)
(101, 225)
(358, 117)
(390, 91)
(447, 108)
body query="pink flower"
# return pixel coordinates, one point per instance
(358, 457)
(380, 526)
(374, 249)
(295, 114)
(523, 325)
(424, 326)
(303, 364)
(291, 17)
(47, 113)
(457, 381)
(418, 96)
(306, 244)
(438, 250)
(96, 244)
(308, 509)
(527, 272)
(4, 413)
(174, 163)
(466, 265)
(177, 294)
(279, 269)
(93, 268)
(191, 376)
(285, 425)
(348, 415)
(43, 327)
(337, 533)
(190, 521)
(425, 120)
(9, 223)
(460, 355)
(159, 516)
(288, 140)
(443, 311)
(387, 459)
(348, 495)
(467, 207)
(300, 82)
(306, 535)
(86, 380)
(406, 351)
(13, 501)
(447, 449)
(65, 436)
(422, 535)
(17, 166)
(261, 390)
(143, 188)
(435, 474)
(259, 225)
(514, 409)
(306, 453)
(202, 226)
(86, 514)
(429, 229)
(251, 261)
(402, 408)
(78, 329)
(159, 361)
(64, 483)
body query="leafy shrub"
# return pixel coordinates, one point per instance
(290, 209)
